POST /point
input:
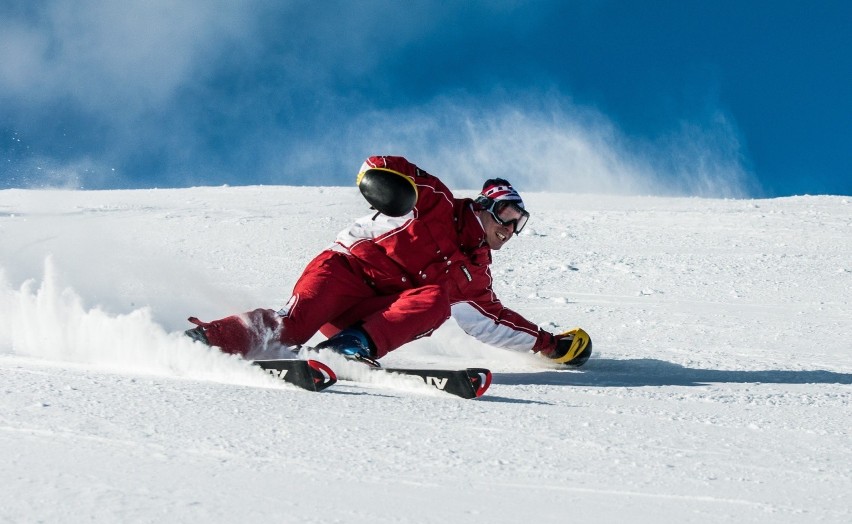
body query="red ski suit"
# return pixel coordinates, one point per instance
(401, 278)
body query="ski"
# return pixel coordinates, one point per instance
(312, 375)
(315, 376)
(464, 383)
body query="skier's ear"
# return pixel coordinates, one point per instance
(389, 192)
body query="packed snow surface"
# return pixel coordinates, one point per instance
(720, 390)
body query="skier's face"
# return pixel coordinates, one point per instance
(496, 234)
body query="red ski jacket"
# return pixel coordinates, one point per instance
(441, 241)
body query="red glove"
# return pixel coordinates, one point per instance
(573, 347)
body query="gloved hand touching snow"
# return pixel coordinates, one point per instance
(572, 348)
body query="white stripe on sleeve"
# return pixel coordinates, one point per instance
(485, 328)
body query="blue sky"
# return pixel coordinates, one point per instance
(724, 98)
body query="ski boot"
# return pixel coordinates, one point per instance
(237, 334)
(197, 334)
(354, 344)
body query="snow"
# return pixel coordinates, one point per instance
(720, 390)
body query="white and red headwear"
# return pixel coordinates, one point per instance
(497, 189)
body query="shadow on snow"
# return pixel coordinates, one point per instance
(651, 372)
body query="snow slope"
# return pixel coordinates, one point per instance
(720, 391)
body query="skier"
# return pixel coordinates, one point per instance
(398, 274)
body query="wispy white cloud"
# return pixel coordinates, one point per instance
(544, 142)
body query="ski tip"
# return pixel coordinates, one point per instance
(480, 379)
(322, 375)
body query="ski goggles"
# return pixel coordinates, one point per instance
(506, 212)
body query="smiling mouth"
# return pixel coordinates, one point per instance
(501, 236)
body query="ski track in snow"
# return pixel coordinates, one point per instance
(719, 392)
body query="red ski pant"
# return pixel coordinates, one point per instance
(332, 294)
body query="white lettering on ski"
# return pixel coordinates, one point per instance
(277, 373)
(439, 383)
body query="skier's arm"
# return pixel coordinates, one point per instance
(483, 316)
(507, 329)
(500, 327)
